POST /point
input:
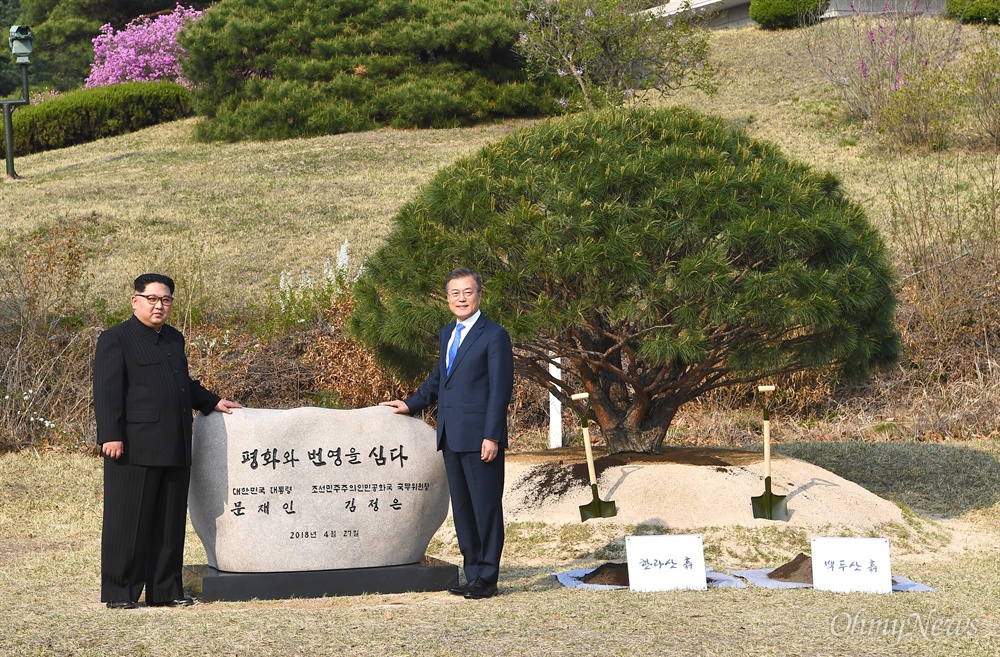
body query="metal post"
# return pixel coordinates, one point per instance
(8, 123)
(8, 133)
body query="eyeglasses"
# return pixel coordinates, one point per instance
(463, 294)
(153, 299)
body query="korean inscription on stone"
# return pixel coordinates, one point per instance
(315, 489)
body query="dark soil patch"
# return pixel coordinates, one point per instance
(550, 481)
(610, 574)
(798, 570)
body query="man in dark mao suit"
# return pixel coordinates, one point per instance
(472, 384)
(144, 400)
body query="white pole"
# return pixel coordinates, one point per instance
(555, 409)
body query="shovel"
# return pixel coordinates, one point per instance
(596, 508)
(768, 505)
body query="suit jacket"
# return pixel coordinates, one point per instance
(472, 402)
(144, 396)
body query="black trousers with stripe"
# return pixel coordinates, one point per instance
(142, 539)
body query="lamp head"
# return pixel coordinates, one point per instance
(21, 42)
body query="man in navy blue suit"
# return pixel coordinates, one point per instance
(472, 384)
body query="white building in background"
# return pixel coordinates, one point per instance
(736, 13)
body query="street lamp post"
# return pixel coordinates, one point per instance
(21, 45)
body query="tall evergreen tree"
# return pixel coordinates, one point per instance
(660, 254)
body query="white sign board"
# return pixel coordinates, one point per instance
(663, 563)
(846, 565)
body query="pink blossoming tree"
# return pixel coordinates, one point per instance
(145, 50)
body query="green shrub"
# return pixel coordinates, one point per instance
(974, 11)
(89, 114)
(614, 49)
(294, 68)
(920, 112)
(781, 14)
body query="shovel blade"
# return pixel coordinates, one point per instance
(768, 505)
(597, 508)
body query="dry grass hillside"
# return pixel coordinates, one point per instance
(247, 227)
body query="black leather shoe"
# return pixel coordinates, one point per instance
(460, 590)
(123, 604)
(480, 590)
(179, 602)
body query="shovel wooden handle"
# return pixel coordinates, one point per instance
(767, 431)
(767, 448)
(590, 455)
(586, 437)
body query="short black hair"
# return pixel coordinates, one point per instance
(462, 272)
(142, 281)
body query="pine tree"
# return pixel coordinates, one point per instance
(660, 253)
(292, 68)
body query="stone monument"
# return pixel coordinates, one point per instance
(317, 495)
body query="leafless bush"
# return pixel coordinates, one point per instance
(983, 82)
(340, 365)
(259, 370)
(46, 343)
(944, 226)
(870, 57)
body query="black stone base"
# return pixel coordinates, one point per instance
(211, 585)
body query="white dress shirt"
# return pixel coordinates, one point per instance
(467, 324)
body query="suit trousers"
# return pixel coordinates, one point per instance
(142, 540)
(477, 509)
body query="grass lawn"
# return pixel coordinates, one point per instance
(50, 514)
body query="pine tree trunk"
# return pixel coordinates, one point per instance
(636, 431)
(622, 439)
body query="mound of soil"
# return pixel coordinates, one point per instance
(684, 488)
(610, 574)
(799, 570)
(558, 472)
